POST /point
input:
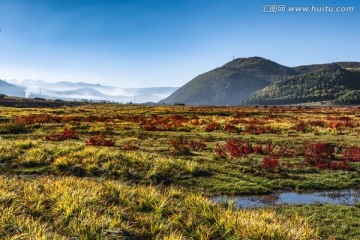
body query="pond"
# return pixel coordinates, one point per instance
(343, 197)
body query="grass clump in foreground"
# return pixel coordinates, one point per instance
(85, 208)
(332, 220)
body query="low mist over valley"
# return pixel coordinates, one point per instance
(83, 91)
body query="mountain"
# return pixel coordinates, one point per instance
(230, 83)
(79, 91)
(314, 83)
(11, 90)
(256, 80)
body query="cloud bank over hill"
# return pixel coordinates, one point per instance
(84, 91)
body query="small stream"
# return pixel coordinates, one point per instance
(340, 197)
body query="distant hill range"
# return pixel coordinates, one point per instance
(256, 80)
(84, 91)
(10, 89)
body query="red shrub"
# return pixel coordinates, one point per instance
(66, 134)
(212, 127)
(237, 148)
(345, 118)
(269, 149)
(258, 149)
(37, 119)
(321, 165)
(351, 154)
(341, 166)
(162, 123)
(301, 127)
(334, 125)
(233, 147)
(270, 163)
(100, 140)
(256, 121)
(231, 128)
(148, 127)
(69, 133)
(340, 123)
(317, 123)
(179, 146)
(319, 153)
(196, 145)
(258, 129)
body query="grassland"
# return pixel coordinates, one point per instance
(137, 172)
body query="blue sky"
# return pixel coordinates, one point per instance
(164, 43)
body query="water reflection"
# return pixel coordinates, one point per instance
(343, 197)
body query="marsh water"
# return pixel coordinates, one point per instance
(343, 197)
